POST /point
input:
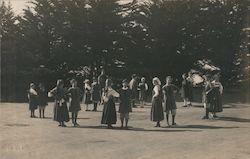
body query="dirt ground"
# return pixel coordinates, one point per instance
(227, 137)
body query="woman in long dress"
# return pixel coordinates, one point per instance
(215, 97)
(157, 109)
(33, 100)
(61, 113)
(109, 111)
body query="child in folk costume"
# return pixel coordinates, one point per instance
(96, 96)
(215, 96)
(169, 91)
(61, 113)
(87, 94)
(32, 96)
(157, 110)
(125, 106)
(133, 87)
(109, 111)
(205, 95)
(143, 88)
(42, 100)
(75, 94)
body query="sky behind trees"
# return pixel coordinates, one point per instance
(19, 5)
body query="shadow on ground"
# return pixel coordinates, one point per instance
(163, 129)
(234, 119)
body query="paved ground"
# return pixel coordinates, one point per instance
(225, 138)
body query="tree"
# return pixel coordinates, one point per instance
(8, 56)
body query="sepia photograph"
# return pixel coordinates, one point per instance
(125, 79)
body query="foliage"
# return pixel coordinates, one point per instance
(74, 38)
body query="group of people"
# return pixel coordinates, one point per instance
(101, 91)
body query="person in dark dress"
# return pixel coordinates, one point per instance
(61, 113)
(96, 96)
(101, 82)
(143, 88)
(33, 100)
(87, 94)
(157, 109)
(169, 91)
(42, 100)
(109, 111)
(125, 106)
(215, 96)
(75, 94)
(133, 87)
(187, 89)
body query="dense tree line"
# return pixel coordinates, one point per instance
(71, 38)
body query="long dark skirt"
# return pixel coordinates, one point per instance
(215, 104)
(157, 110)
(61, 113)
(87, 98)
(33, 103)
(109, 113)
(33, 106)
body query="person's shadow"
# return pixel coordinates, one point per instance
(234, 119)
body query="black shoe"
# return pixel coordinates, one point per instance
(63, 125)
(184, 106)
(110, 127)
(174, 124)
(76, 125)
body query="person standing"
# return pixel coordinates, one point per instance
(186, 90)
(33, 100)
(206, 95)
(42, 99)
(87, 94)
(101, 82)
(125, 106)
(215, 99)
(75, 94)
(96, 97)
(169, 91)
(109, 111)
(143, 88)
(61, 113)
(157, 110)
(133, 87)
(190, 88)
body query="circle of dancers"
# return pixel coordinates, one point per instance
(101, 91)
